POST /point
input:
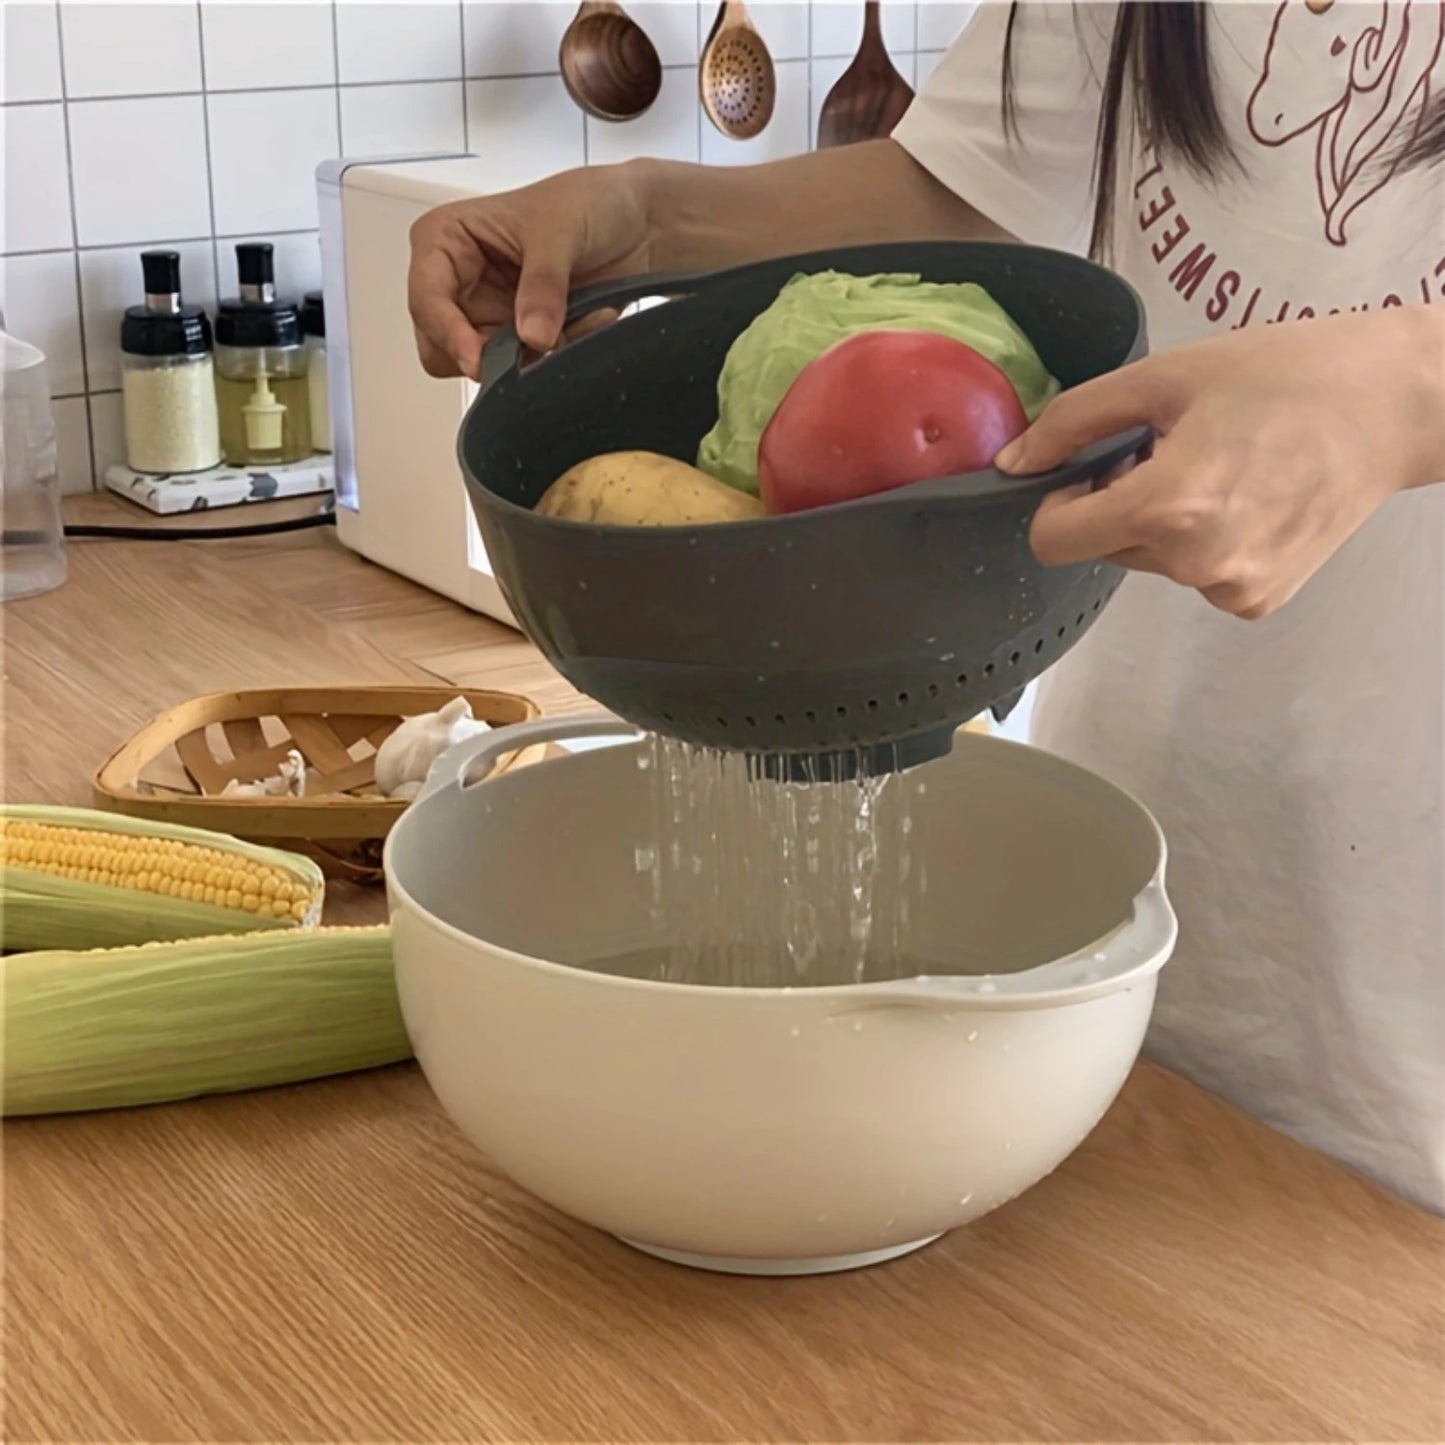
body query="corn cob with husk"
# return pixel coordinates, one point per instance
(78, 878)
(114, 1027)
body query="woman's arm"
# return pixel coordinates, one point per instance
(1273, 447)
(703, 217)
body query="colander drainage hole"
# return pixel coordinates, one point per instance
(1014, 659)
(752, 722)
(988, 669)
(841, 710)
(780, 719)
(1098, 603)
(933, 689)
(872, 704)
(1079, 620)
(1063, 631)
(961, 680)
(1039, 645)
(902, 699)
(810, 716)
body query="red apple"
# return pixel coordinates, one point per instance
(880, 410)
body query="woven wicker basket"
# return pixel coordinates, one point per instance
(176, 765)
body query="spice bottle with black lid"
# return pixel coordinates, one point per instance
(313, 323)
(168, 384)
(261, 368)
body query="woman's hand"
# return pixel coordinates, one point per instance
(1273, 447)
(480, 264)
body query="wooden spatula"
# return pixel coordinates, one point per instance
(870, 96)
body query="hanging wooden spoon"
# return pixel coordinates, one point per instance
(735, 76)
(870, 96)
(609, 66)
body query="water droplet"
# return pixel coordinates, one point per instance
(794, 1033)
(581, 584)
(978, 571)
(987, 987)
(857, 1026)
(966, 1198)
(1099, 958)
(973, 1036)
(775, 644)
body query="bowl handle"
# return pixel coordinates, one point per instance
(470, 763)
(1136, 949)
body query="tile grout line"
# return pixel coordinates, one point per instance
(75, 243)
(466, 108)
(168, 240)
(336, 79)
(361, 84)
(210, 177)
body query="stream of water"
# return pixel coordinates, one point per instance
(756, 883)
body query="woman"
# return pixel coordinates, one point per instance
(1266, 175)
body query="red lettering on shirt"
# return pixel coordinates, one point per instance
(1187, 275)
(1161, 205)
(1170, 239)
(1147, 177)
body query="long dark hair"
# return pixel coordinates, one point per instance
(1160, 50)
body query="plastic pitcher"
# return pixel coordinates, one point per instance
(33, 556)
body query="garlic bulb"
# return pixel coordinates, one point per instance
(407, 755)
(288, 781)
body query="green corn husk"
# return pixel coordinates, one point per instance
(112, 1028)
(42, 910)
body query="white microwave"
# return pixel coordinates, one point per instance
(400, 498)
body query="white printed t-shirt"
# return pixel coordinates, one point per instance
(1296, 764)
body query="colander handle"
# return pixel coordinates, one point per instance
(471, 762)
(503, 353)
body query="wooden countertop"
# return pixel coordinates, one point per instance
(332, 1262)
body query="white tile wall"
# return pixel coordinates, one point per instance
(265, 147)
(139, 168)
(416, 41)
(128, 49)
(418, 116)
(30, 58)
(191, 124)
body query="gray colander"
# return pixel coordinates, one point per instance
(823, 642)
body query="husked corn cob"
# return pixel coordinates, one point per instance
(114, 1027)
(75, 877)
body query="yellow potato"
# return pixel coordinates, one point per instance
(643, 489)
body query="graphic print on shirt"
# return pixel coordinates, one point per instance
(1355, 76)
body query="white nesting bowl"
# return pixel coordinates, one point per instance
(774, 1130)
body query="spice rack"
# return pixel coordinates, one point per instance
(226, 412)
(221, 486)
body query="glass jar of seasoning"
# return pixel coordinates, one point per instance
(313, 323)
(168, 384)
(261, 369)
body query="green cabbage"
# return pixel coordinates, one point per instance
(814, 312)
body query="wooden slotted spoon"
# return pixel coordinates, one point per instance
(736, 79)
(609, 66)
(870, 97)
